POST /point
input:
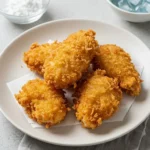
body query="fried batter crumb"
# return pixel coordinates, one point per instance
(117, 63)
(72, 58)
(99, 98)
(42, 103)
(37, 54)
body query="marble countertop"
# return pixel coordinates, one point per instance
(10, 137)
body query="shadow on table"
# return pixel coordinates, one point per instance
(142, 27)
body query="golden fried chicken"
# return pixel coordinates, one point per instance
(99, 98)
(42, 103)
(36, 55)
(117, 63)
(71, 59)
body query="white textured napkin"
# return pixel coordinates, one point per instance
(15, 85)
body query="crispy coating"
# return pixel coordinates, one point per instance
(117, 63)
(36, 55)
(42, 103)
(71, 59)
(99, 98)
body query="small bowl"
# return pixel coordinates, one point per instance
(25, 19)
(130, 16)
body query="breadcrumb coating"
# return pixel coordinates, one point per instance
(71, 59)
(117, 63)
(99, 98)
(42, 103)
(36, 55)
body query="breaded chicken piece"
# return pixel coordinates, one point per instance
(71, 59)
(99, 98)
(36, 55)
(117, 63)
(42, 103)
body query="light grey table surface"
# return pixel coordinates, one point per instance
(10, 136)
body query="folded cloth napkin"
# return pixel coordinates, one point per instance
(138, 139)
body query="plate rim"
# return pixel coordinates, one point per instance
(64, 20)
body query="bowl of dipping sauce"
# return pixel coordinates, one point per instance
(131, 10)
(23, 11)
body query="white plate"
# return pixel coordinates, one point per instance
(10, 69)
